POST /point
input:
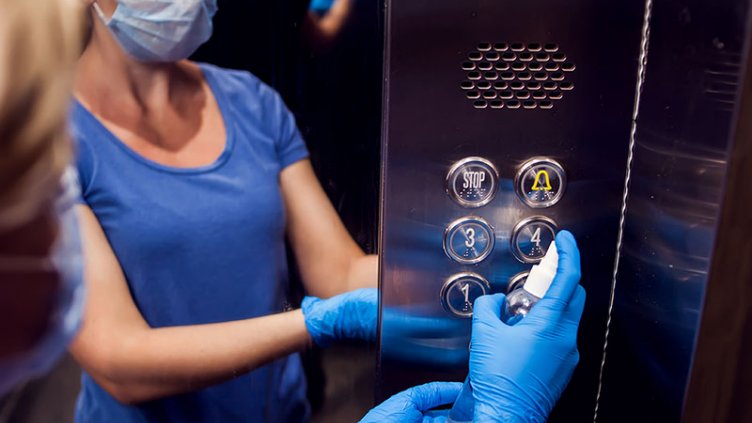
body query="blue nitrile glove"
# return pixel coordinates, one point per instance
(351, 315)
(411, 406)
(519, 372)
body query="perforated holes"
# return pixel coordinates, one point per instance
(483, 85)
(533, 85)
(517, 75)
(513, 104)
(484, 46)
(526, 57)
(500, 85)
(468, 66)
(480, 104)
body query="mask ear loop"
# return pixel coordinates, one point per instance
(105, 20)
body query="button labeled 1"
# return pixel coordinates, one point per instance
(460, 291)
(531, 238)
(472, 182)
(469, 240)
(540, 182)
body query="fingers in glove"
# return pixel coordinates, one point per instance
(434, 394)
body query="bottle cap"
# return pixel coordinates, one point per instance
(543, 273)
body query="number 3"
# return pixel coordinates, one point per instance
(470, 234)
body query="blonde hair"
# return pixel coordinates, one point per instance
(40, 41)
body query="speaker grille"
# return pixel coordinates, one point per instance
(516, 75)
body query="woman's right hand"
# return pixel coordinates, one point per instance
(351, 315)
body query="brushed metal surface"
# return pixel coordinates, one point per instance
(430, 124)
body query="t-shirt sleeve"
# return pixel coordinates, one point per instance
(290, 145)
(84, 169)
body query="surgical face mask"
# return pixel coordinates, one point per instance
(160, 31)
(66, 259)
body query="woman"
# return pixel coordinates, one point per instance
(41, 287)
(191, 176)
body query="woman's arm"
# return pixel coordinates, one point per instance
(330, 261)
(136, 363)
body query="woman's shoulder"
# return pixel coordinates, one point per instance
(238, 83)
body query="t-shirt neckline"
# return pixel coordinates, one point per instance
(219, 97)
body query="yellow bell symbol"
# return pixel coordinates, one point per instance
(537, 183)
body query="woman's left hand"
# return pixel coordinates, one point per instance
(413, 405)
(351, 315)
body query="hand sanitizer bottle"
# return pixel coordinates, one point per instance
(523, 298)
(519, 303)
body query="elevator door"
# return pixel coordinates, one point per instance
(504, 122)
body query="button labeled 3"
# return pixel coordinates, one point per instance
(469, 240)
(461, 290)
(540, 182)
(472, 182)
(531, 238)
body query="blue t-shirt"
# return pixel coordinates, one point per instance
(201, 245)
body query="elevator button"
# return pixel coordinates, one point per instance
(469, 240)
(517, 281)
(472, 182)
(540, 182)
(531, 238)
(461, 290)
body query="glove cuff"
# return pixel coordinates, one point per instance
(506, 413)
(313, 322)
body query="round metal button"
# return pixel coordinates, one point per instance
(461, 290)
(531, 238)
(540, 182)
(517, 281)
(469, 240)
(472, 182)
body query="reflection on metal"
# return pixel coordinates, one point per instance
(429, 125)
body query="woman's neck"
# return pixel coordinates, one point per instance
(109, 81)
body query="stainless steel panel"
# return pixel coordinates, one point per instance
(430, 124)
(680, 163)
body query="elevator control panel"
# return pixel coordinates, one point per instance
(531, 238)
(469, 240)
(461, 290)
(540, 182)
(472, 182)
